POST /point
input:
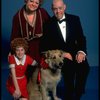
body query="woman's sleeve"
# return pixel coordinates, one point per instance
(15, 27)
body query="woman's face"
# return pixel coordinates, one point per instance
(19, 52)
(32, 5)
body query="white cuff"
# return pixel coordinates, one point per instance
(34, 63)
(82, 52)
(11, 65)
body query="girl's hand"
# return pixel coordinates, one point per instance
(16, 94)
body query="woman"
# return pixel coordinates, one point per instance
(28, 23)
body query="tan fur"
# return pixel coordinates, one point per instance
(50, 77)
(33, 87)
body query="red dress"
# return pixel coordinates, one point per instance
(21, 28)
(20, 74)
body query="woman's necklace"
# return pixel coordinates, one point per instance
(30, 34)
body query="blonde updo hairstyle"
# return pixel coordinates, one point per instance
(19, 42)
(41, 1)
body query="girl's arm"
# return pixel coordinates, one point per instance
(17, 92)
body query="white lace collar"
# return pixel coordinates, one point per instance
(18, 62)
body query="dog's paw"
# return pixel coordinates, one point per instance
(48, 98)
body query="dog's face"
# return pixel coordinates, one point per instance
(54, 58)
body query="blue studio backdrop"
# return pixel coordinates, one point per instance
(87, 10)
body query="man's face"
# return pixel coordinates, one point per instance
(58, 9)
(32, 5)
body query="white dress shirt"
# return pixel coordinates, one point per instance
(63, 28)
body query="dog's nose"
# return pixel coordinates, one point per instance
(60, 64)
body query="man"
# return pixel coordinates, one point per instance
(64, 32)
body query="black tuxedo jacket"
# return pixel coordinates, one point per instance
(75, 39)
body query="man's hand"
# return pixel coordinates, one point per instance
(68, 56)
(80, 57)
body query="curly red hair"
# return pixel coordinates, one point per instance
(19, 42)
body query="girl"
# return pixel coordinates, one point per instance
(18, 62)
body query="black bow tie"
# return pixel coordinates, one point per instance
(60, 21)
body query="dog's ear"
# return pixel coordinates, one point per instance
(43, 52)
(46, 53)
(62, 51)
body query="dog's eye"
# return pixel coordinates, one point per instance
(59, 55)
(54, 57)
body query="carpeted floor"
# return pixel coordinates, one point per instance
(91, 87)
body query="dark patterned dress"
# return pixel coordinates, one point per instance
(32, 33)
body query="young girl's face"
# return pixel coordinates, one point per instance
(19, 52)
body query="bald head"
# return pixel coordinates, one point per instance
(58, 7)
(57, 1)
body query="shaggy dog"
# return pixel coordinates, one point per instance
(33, 87)
(50, 77)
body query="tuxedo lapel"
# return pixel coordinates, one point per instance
(57, 30)
(67, 30)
